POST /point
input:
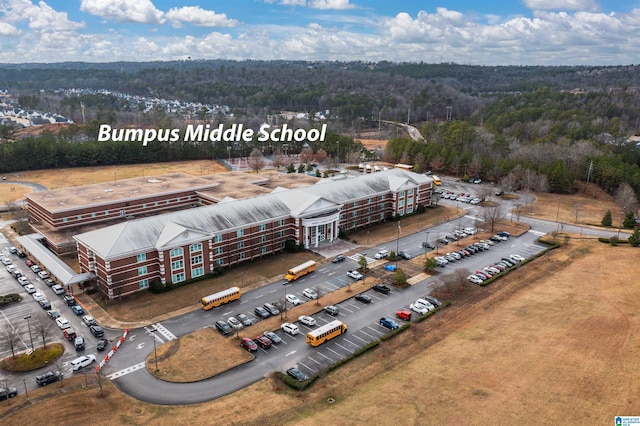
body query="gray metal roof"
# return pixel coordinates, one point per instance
(177, 228)
(51, 262)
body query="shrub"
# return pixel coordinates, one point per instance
(8, 299)
(607, 220)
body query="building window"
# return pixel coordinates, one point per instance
(401, 212)
(263, 238)
(178, 264)
(142, 270)
(354, 214)
(240, 244)
(177, 278)
(370, 200)
(144, 206)
(381, 216)
(220, 262)
(141, 257)
(218, 239)
(64, 220)
(281, 222)
(167, 202)
(80, 217)
(263, 227)
(196, 260)
(93, 215)
(197, 272)
(176, 252)
(369, 210)
(281, 234)
(155, 204)
(241, 256)
(218, 250)
(401, 203)
(409, 201)
(355, 204)
(409, 209)
(410, 192)
(240, 233)
(195, 247)
(178, 200)
(144, 283)
(263, 250)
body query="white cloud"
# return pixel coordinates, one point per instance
(314, 4)
(195, 15)
(8, 30)
(40, 17)
(141, 11)
(588, 5)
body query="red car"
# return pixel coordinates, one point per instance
(249, 344)
(28, 262)
(404, 314)
(263, 341)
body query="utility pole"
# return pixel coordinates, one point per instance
(29, 327)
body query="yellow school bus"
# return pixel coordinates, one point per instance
(300, 270)
(220, 298)
(326, 332)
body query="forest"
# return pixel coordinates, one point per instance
(496, 123)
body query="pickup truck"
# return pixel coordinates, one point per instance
(355, 275)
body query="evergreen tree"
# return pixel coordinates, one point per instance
(629, 221)
(606, 220)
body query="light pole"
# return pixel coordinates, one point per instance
(558, 217)
(155, 352)
(284, 303)
(149, 305)
(26, 392)
(29, 327)
(397, 244)
(426, 245)
(338, 151)
(620, 226)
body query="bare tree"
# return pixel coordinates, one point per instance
(526, 200)
(101, 380)
(456, 281)
(353, 156)
(542, 183)
(321, 156)
(626, 198)
(475, 166)
(256, 160)
(319, 293)
(306, 155)
(529, 179)
(277, 159)
(10, 339)
(484, 192)
(437, 162)
(42, 327)
(492, 215)
(420, 162)
(509, 182)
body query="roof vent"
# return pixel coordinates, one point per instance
(154, 180)
(108, 190)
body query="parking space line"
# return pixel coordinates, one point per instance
(351, 343)
(313, 360)
(364, 341)
(307, 367)
(346, 309)
(338, 344)
(321, 354)
(336, 353)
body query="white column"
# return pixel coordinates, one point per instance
(315, 240)
(306, 237)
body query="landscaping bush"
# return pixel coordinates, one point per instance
(8, 299)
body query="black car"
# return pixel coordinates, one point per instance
(261, 312)
(435, 302)
(96, 330)
(69, 300)
(338, 258)
(404, 255)
(428, 245)
(223, 328)
(102, 344)
(381, 288)
(79, 343)
(48, 377)
(297, 374)
(6, 393)
(363, 298)
(21, 254)
(271, 309)
(46, 305)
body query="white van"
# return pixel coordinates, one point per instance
(82, 362)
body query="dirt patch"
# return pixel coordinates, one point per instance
(177, 359)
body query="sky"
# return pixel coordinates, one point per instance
(475, 32)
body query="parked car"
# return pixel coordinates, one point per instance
(69, 300)
(244, 319)
(35, 268)
(45, 304)
(381, 288)
(271, 309)
(355, 275)
(388, 323)
(30, 288)
(82, 362)
(49, 282)
(261, 312)
(63, 323)
(275, 339)
(69, 333)
(297, 374)
(404, 255)
(248, 344)
(428, 245)
(37, 296)
(6, 393)
(363, 298)
(235, 323)
(53, 314)
(338, 258)
(79, 343)
(96, 330)
(504, 234)
(307, 320)
(426, 304)
(102, 345)
(88, 320)
(289, 328)
(418, 308)
(475, 279)
(517, 257)
(331, 310)
(48, 377)
(435, 302)
(57, 289)
(223, 328)
(43, 274)
(382, 254)
(77, 309)
(310, 293)
(404, 314)
(293, 299)
(263, 341)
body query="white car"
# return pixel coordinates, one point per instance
(289, 328)
(355, 275)
(418, 308)
(310, 293)
(57, 289)
(30, 288)
(43, 274)
(474, 279)
(382, 254)
(517, 257)
(82, 362)
(235, 323)
(470, 231)
(6, 261)
(89, 320)
(23, 281)
(307, 320)
(35, 268)
(426, 304)
(63, 323)
(37, 296)
(293, 299)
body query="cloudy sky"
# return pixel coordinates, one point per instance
(483, 32)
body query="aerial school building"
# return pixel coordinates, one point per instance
(179, 246)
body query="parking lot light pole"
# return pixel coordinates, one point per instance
(29, 327)
(26, 392)
(427, 245)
